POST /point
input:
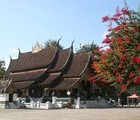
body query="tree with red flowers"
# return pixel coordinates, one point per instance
(119, 63)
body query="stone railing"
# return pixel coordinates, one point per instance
(56, 103)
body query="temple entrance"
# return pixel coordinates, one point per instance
(88, 89)
(35, 91)
(10, 97)
(85, 89)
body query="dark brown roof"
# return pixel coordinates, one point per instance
(78, 65)
(62, 60)
(67, 83)
(76, 69)
(48, 67)
(25, 76)
(29, 60)
(50, 78)
(20, 85)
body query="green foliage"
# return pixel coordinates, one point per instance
(119, 64)
(87, 47)
(2, 68)
(53, 43)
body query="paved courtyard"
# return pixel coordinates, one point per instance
(71, 114)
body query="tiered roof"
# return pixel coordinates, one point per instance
(50, 67)
(62, 60)
(76, 69)
(30, 66)
(57, 70)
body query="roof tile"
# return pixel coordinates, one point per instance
(29, 60)
(63, 58)
(25, 76)
(79, 63)
(67, 83)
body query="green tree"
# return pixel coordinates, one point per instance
(87, 47)
(2, 68)
(53, 43)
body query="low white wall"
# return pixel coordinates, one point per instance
(15, 96)
(4, 97)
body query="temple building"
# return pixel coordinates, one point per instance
(44, 72)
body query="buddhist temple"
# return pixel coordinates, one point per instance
(44, 72)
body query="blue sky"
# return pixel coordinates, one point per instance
(23, 21)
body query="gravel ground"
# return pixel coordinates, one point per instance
(71, 114)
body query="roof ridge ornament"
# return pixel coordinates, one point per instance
(59, 41)
(72, 43)
(19, 52)
(10, 57)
